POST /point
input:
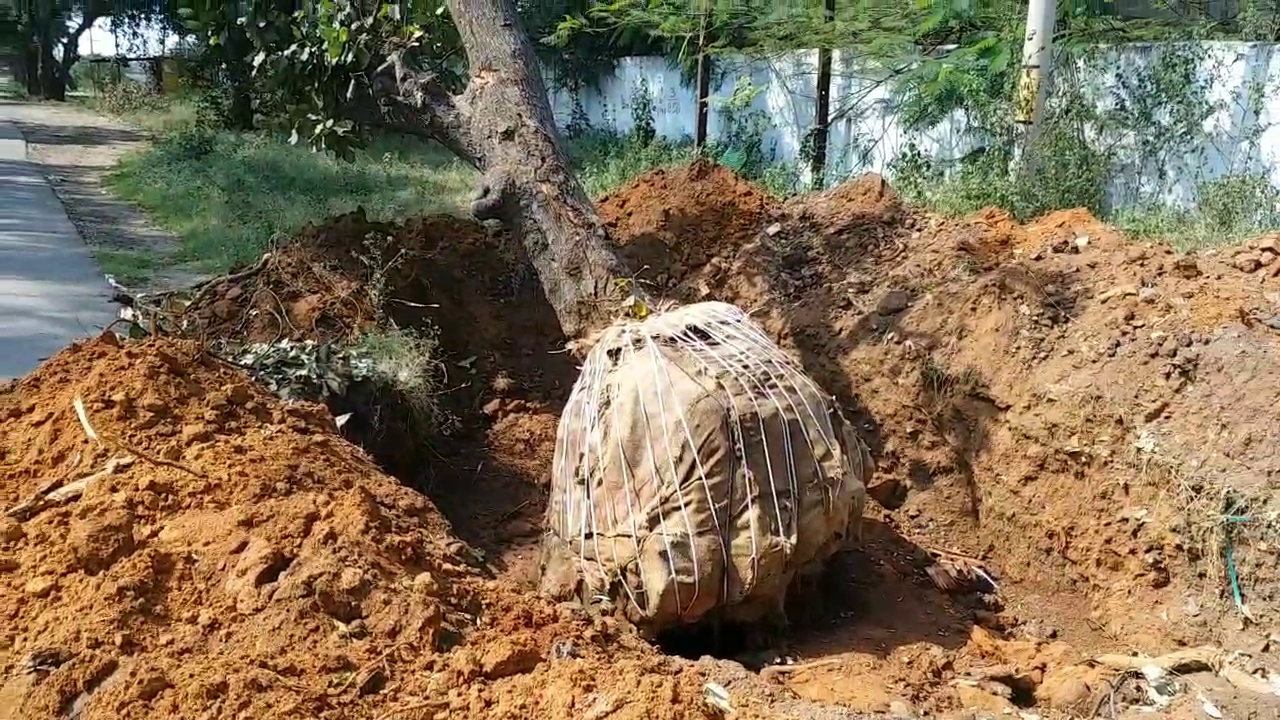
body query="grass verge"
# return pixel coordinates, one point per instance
(226, 196)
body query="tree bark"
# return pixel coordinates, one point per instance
(48, 65)
(503, 125)
(31, 67)
(71, 45)
(240, 78)
(702, 98)
(822, 114)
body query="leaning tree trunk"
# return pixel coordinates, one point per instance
(71, 48)
(48, 63)
(502, 123)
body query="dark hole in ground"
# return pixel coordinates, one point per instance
(384, 423)
(1024, 691)
(752, 644)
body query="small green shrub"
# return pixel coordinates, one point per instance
(606, 161)
(126, 96)
(1247, 202)
(1112, 157)
(188, 143)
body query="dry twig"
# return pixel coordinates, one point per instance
(207, 286)
(772, 671)
(120, 447)
(1191, 660)
(363, 673)
(53, 493)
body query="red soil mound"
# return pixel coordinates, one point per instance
(246, 561)
(1013, 381)
(1064, 408)
(673, 221)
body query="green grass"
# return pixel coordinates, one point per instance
(1229, 210)
(606, 162)
(226, 196)
(165, 116)
(11, 88)
(130, 267)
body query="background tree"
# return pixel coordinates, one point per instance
(346, 69)
(45, 35)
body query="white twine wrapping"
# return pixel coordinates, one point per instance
(719, 344)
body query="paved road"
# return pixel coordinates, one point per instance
(51, 291)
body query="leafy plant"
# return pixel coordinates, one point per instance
(126, 96)
(643, 130)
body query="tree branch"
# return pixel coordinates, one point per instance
(416, 103)
(71, 46)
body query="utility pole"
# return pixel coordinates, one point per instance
(1033, 85)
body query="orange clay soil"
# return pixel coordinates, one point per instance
(1066, 409)
(245, 561)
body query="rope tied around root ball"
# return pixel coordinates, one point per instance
(697, 469)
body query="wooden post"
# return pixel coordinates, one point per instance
(822, 116)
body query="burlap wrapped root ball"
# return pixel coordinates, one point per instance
(697, 470)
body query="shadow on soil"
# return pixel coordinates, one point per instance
(38, 133)
(874, 598)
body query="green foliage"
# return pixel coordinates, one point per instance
(1258, 20)
(681, 28)
(405, 363)
(605, 161)
(120, 96)
(642, 113)
(1106, 146)
(226, 196)
(1228, 209)
(188, 144)
(741, 146)
(310, 68)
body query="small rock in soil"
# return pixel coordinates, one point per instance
(515, 658)
(893, 302)
(197, 432)
(39, 587)
(11, 530)
(1247, 262)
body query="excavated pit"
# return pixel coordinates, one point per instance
(1028, 393)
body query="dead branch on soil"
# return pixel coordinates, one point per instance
(54, 493)
(773, 671)
(1191, 660)
(951, 571)
(363, 674)
(995, 672)
(147, 311)
(120, 447)
(204, 288)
